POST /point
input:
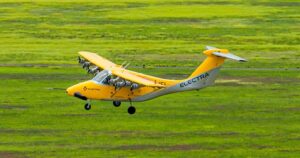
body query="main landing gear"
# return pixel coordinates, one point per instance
(131, 109)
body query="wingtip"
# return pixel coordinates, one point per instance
(210, 47)
(85, 52)
(80, 52)
(243, 60)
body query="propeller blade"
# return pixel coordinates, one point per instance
(86, 65)
(79, 60)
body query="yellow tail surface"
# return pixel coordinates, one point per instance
(215, 58)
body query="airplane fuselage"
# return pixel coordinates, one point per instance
(98, 91)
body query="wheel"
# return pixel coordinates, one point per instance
(87, 106)
(131, 110)
(116, 103)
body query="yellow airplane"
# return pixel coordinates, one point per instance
(115, 83)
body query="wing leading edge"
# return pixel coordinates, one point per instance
(97, 60)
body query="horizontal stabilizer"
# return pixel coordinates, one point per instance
(229, 56)
(224, 53)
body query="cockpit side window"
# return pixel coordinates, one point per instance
(102, 77)
(105, 81)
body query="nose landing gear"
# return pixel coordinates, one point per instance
(87, 106)
(116, 103)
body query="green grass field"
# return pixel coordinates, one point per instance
(252, 111)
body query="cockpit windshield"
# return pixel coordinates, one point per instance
(101, 77)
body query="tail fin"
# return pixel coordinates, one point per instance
(215, 58)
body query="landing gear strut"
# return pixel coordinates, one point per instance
(131, 109)
(116, 103)
(87, 106)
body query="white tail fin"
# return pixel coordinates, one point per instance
(229, 56)
(225, 55)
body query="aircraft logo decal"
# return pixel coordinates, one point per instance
(194, 80)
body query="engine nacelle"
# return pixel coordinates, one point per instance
(93, 70)
(112, 81)
(120, 84)
(127, 83)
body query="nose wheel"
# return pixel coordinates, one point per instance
(116, 103)
(87, 106)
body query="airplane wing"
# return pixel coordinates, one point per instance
(117, 70)
(97, 60)
(125, 74)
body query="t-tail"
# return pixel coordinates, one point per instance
(203, 76)
(215, 59)
(206, 73)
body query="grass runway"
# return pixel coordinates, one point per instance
(252, 111)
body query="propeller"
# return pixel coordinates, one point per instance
(127, 83)
(120, 83)
(134, 86)
(125, 64)
(93, 70)
(112, 81)
(80, 60)
(86, 65)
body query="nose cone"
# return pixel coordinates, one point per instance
(83, 90)
(78, 88)
(70, 91)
